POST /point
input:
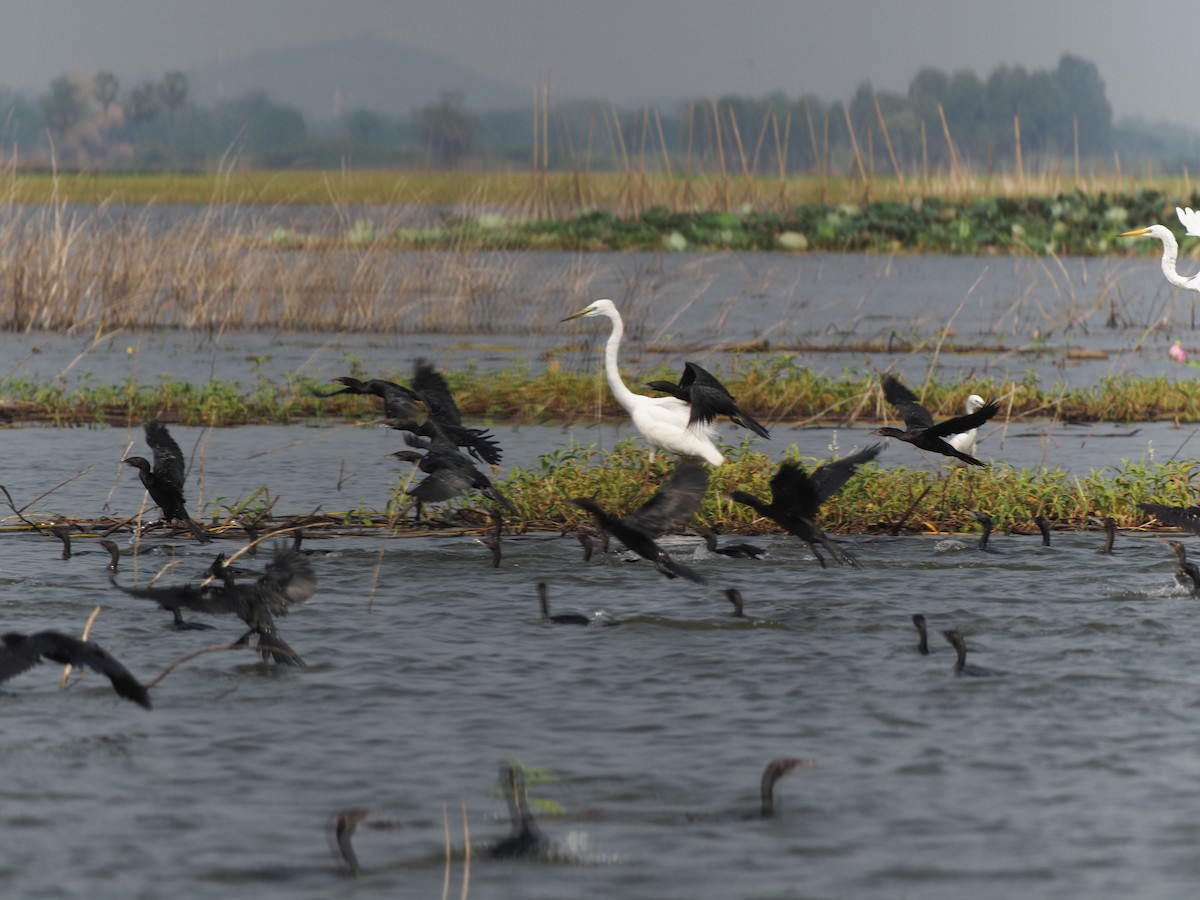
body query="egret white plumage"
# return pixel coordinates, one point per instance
(965, 441)
(663, 421)
(1190, 220)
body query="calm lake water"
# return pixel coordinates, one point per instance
(1072, 774)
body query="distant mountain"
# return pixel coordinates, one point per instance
(332, 76)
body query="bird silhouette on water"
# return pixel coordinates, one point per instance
(21, 652)
(1110, 532)
(288, 579)
(921, 431)
(708, 399)
(734, 596)
(164, 481)
(559, 618)
(918, 621)
(1186, 573)
(796, 498)
(427, 409)
(676, 502)
(524, 839)
(986, 521)
(959, 643)
(772, 773)
(1044, 527)
(733, 551)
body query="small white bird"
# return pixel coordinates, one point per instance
(965, 441)
(663, 421)
(1190, 219)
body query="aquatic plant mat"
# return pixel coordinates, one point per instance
(875, 500)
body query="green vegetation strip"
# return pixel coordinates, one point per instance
(773, 390)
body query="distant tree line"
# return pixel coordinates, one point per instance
(943, 120)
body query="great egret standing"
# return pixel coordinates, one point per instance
(663, 421)
(1191, 221)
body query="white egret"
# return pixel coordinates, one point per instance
(965, 441)
(663, 421)
(1191, 222)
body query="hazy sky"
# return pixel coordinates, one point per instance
(632, 49)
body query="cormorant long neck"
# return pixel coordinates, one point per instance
(624, 395)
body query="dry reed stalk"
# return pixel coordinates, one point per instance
(87, 630)
(1020, 164)
(722, 193)
(466, 853)
(858, 160)
(887, 140)
(955, 171)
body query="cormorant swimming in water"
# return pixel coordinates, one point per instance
(492, 540)
(796, 496)
(63, 533)
(920, 429)
(524, 839)
(114, 555)
(560, 618)
(1044, 528)
(734, 551)
(21, 652)
(1110, 532)
(288, 579)
(774, 771)
(676, 502)
(956, 640)
(164, 482)
(734, 596)
(1186, 573)
(708, 399)
(449, 474)
(588, 545)
(918, 621)
(986, 521)
(1185, 517)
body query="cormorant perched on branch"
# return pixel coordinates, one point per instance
(21, 652)
(288, 579)
(442, 418)
(708, 399)
(164, 482)
(796, 497)
(920, 429)
(676, 502)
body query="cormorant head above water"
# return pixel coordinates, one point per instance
(1044, 528)
(733, 551)
(561, 618)
(918, 621)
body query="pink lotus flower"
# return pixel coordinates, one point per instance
(1177, 353)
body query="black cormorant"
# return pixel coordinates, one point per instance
(920, 429)
(288, 579)
(63, 533)
(956, 640)
(164, 482)
(708, 399)
(1110, 532)
(449, 474)
(734, 551)
(676, 502)
(1185, 517)
(524, 840)
(918, 621)
(796, 497)
(1044, 528)
(734, 596)
(21, 652)
(1186, 573)
(560, 618)
(986, 521)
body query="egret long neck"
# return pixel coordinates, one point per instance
(1170, 254)
(624, 395)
